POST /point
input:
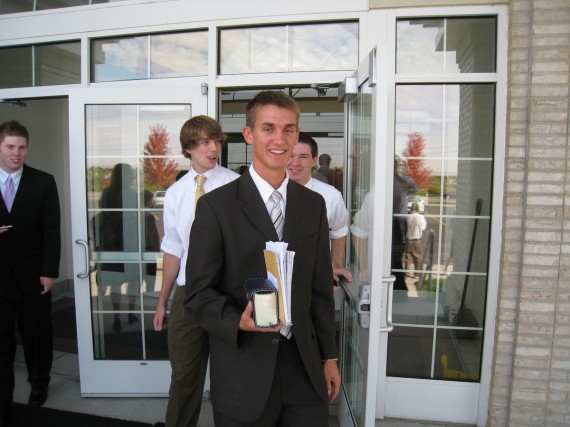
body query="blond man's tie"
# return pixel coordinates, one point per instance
(200, 179)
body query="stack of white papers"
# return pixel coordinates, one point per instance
(279, 264)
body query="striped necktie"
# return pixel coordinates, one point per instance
(277, 214)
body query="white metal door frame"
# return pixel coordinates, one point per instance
(110, 377)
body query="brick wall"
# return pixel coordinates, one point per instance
(531, 373)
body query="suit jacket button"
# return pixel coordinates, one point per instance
(275, 340)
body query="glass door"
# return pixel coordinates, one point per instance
(124, 153)
(420, 186)
(365, 312)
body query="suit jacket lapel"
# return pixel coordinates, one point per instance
(293, 210)
(21, 190)
(24, 188)
(254, 207)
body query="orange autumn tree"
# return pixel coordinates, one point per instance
(414, 153)
(159, 171)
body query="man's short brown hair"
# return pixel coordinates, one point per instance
(13, 128)
(197, 129)
(270, 97)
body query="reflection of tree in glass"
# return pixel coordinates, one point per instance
(417, 169)
(159, 171)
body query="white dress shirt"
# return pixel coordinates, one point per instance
(16, 177)
(416, 225)
(336, 210)
(266, 190)
(178, 213)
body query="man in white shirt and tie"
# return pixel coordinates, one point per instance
(299, 167)
(201, 138)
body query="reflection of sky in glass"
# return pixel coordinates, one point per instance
(421, 108)
(172, 55)
(446, 115)
(252, 50)
(183, 54)
(120, 59)
(111, 130)
(171, 117)
(121, 131)
(417, 42)
(323, 47)
(330, 46)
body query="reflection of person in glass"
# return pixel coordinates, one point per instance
(359, 228)
(403, 185)
(116, 231)
(152, 240)
(415, 225)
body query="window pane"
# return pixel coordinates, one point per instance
(130, 157)
(58, 64)
(323, 47)
(15, 6)
(458, 45)
(182, 54)
(16, 67)
(119, 59)
(472, 40)
(112, 130)
(252, 50)
(306, 47)
(449, 120)
(56, 4)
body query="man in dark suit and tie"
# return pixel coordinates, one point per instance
(258, 376)
(30, 247)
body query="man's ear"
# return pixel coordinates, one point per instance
(246, 132)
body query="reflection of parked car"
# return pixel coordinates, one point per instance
(158, 201)
(414, 198)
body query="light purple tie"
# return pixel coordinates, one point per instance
(10, 193)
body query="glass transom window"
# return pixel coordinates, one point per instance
(289, 48)
(446, 45)
(150, 56)
(40, 65)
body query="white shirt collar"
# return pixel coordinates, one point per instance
(265, 188)
(309, 183)
(16, 176)
(207, 174)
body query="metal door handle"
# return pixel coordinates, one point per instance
(86, 274)
(388, 281)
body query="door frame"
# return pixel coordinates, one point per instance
(380, 294)
(390, 389)
(110, 377)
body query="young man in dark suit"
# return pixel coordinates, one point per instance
(258, 376)
(30, 248)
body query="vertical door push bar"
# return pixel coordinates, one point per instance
(361, 303)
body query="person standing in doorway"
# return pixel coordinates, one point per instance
(262, 377)
(324, 173)
(299, 167)
(415, 225)
(30, 247)
(201, 138)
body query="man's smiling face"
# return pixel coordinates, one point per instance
(301, 163)
(273, 135)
